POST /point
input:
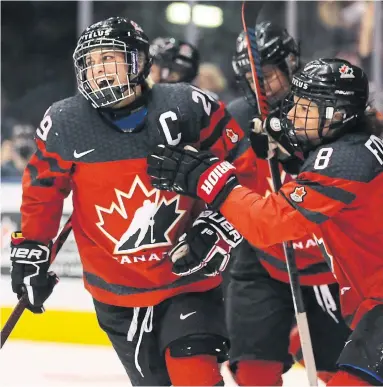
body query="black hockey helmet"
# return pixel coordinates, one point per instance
(173, 55)
(277, 49)
(117, 35)
(338, 93)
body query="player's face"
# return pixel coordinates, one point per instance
(276, 83)
(304, 116)
(106, 68)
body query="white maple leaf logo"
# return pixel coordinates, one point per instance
(149, 218)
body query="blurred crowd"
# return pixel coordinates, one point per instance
(39, 38)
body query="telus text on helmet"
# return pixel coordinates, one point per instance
(301, 84)
(96, 34)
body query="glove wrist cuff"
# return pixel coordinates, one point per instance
(220, 198)
(213, 181)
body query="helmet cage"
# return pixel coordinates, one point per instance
(335, 117)
(107, 92)
(282, 54)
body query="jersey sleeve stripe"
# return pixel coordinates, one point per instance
(312, 216)
(35, 181)
(217, 132)
(335, 193)
(242, 146)
(52, 162)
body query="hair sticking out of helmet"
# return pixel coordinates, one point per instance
(174, 60)
(328, 98)
(279, 59)
(111, 59)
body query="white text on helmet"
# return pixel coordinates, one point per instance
(343, 92)
(96, 34)
(301, 84)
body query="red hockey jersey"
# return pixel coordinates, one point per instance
(338, 199)
(123, 227)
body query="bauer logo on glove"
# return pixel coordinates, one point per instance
(29, 275)
(206, 247)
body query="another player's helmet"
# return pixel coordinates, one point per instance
(119, 36)
(173, 55)
(340, 93)
(277, 49)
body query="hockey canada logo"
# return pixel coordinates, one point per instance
(233, 137)
(298, 194)
(346, 72)
(139, 219)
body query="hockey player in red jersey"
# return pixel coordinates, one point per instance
(337, 197)
(173, 61)
(260, 339)
(165, 329)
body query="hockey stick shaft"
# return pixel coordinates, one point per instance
(23, 302)
(301, 317)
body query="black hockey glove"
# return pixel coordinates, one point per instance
(29, 275)
(192, 173)
(268, 139)
(206, 247)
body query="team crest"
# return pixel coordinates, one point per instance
(233, 137)
(346, 72)
(140, 218)
(298, 194)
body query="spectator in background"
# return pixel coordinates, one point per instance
(337, 28)
(17, 151)
(44, 33)
(211, 79)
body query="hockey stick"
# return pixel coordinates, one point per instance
(300, 313)
(21, 305)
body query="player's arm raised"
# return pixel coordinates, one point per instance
(296, 210)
